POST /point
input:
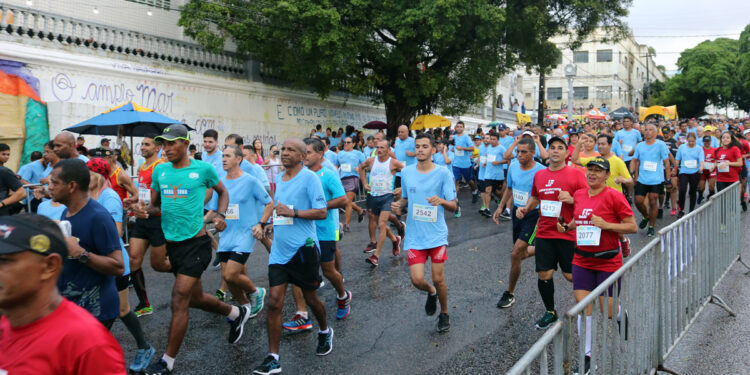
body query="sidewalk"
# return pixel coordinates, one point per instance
(718, 343)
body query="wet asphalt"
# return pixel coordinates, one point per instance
(387, 331)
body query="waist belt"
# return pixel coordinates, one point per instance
(608, 254)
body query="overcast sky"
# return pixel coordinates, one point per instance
(675, 20)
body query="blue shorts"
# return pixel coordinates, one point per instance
(458, 173)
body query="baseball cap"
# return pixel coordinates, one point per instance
(527, 132)
(99, 165)
(599, 162)
(104, 140)
(709, 128)
(17, 235)
(572, 130)
(502, 127)
(174, 132)
(101, 152)
(706, 138)
(557, 139)
(666, 129)
(744, 132)
(477, 136)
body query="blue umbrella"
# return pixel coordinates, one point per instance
(135, 120)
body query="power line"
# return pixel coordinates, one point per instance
(684, 36)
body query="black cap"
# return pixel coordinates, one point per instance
(174, 132)
(572, 130)
(555, 138)
(17, 235)
(666, 129)
(706, 138)
(101, 152)
(104, 140)
(599, 162)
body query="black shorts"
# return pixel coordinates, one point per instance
(495, 184)
(379, 203)
(150, 230)
(641, 189)
(234, 256)
(122, 282)
(743, 172)
(327, 251)
(549, 252)
(481, 184)
(396, 182)
(524, 229)
(190, 257)
(303, 270)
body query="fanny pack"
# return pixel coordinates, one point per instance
(608, 254)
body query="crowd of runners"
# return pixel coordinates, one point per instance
(567, 190)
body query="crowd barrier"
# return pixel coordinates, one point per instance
(656, 297)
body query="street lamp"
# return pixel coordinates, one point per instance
(570, 72)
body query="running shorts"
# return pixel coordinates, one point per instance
(150, 230)
(588, 279)
(641, 189)
(379, 203)
(235, 256)
(351, 184)
(303, 270)
(524, 229)
(551, 252)
(436, 254)
(327, 251)
(190, 257)
(462, 173)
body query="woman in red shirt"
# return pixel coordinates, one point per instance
(728, 161)
(709, 170)
(600, 215)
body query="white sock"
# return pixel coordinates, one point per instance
(325, 332)
(248, 305)
(169, 360)
(589, 323)
(234, 313)
(256, 293)
(302, 314)
(274, 355)
(342, 297)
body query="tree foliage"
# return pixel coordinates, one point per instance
(418, 55)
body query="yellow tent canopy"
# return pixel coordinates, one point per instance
(522, 118)
(669, 113)
(429, 121)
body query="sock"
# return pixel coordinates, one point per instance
(483, 207)
(274, 355)
(256, 293)
(650, 227)
(341, 298)
(547, 291)
(139, 284)
(325, 332)
(302, 314)
(234, 313)
(169, 360)
(589, 323)
(248, 305)
(131, 322)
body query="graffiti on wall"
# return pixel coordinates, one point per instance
(97, 92)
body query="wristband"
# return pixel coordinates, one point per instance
(222, 214)
(296, 213)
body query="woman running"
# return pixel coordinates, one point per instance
(690, 158)
(709, 170)
(728, 161)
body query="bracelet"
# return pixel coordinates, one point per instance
(296, 213)
(3, 204)
(262, 225)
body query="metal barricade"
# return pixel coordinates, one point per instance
(655, 297)
(29, 188)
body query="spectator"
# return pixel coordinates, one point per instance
(11, 188)
(32, 173)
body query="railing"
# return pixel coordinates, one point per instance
(61, 30)
(655, 298)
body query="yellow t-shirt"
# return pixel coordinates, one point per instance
(617, 168)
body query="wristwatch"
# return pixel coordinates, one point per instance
(223, 214)
(296, 212)
(84, 258)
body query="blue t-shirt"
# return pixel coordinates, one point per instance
(330, 155)
(47, 170)
(629, 139)
(256, 171)
(714, 142)
(303, 192)
(651, 158)
(347, 161)
(94, 291)
(246, 194)
(495, 172)
(334, 141)
(368, 151)
(505, 142)
(423, 232)
(113, 204)
(32, 172)
(482, 157)
(84, 158)
(521, 181)
(463, 158)
(439, 159)
(401, 146)
(690, 155)
(214, 159)
(53, 213)
(332, 189)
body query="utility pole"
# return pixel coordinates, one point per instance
(494, 101)
(570, 72)
(540, 102)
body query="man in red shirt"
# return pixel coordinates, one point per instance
(40, 331)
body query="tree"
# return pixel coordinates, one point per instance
(742, 89)
(418, 55)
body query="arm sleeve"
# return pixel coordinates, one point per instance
(509, 179)
(114, 207)
(534, 192)
(449, 188)
(315, 193)
(155, 179)
(621, 206)
(678, 156)
(637, 153)
(106, 239)
(701, 155)
(337, 189)
(260, 193)
(664, 152)
(211, 176)
(404, 179)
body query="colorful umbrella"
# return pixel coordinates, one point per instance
(429, 121)
(135, 120)
(556, 117)
(377, 125)
(595, 114)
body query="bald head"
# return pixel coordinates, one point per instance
(64, 145)
(293, 152)
(403, 132)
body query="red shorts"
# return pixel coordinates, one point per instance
(436, 254)
(708, 175)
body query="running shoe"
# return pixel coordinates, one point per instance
(458, 212)
(257, 302)
(744, 205)
(586, 367)
(342, 312)
(143, 310)
(325, 342)
(269, 366)
(361, 216)
(238, 325)
(298, 323)
(444, 323)
(158, 368)
(216, 263)
(397, 246)
(650, 232)
(547, 320)
(625, 247)
(700, 198)
(142, 359)
(474, 197)
(673, 212)
(401, 229)
(680, 214)
(431, 305)
(506, 214)
(507, 300)
(643, 224)
(346, 228)
(370, 248)
(220, 295)
(487, 213)
(660, 214)
(373, 260)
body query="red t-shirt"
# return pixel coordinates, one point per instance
(611, 206)
(708, 154)
(731, 154)
(745, 147)
(67, 341)
(547, 186)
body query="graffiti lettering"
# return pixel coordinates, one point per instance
(109, 94)
(62, 87)
(158, 101)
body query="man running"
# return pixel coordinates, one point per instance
(650, 160)
(462, 162)
(210, 152)
(178, 192)
(494, 175)
(348, 162)
(428, 190)
(628, 138)
(404, 149)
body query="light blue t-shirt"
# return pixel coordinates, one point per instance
(330, 155)
(463, 157)
(53, 213)
(651, 158)
(439, 159)
(495, 172)
(482, 154)
(521, 181)
(693, 130)
(334, 141)
(347, 161)
(83, 157)
(213, 203)
(112, 203)
(630, 139)
(424, 232)
(256, 171)
(690, 155)
(332, 189)
(715, 142)
(214, 159)
(245, 195)
(615, 149)
(32, 172)
(505, 142)
(368, 151)
(47, 170)
(303, 192)
(401, 146)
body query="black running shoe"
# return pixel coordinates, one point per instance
(158, 368)
(431, 305)
(362, 215)
(586, 367)
(444, 323)
(325, 342)
(660, 214)
(643, 224)
(651, 232)
(236, 326)
(547, 320)
(507, 300)
(269, 366)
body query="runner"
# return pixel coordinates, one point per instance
(600, 215)
(210, 148)
(294, 254)
(178, 192)
(404, 149)
(428, 190)
(520, 182)
(494, 175)
(690, 158)
(709, 170)
(628, 138)
(479, 169)
(348, 162)
(463, 147)
(380, 187)
(650, 160)
(553, 192)
(119, 180)
(444, 156)
(728, 161)
(672, 179)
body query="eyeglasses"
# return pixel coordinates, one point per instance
(348, 142)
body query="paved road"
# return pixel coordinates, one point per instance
(387, 331)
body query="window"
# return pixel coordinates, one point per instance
(581, 56)
(554, 93)
(604, 55)
(527, 95)
(166, 4)
(559, 60)
(604, 92)
(580, 93)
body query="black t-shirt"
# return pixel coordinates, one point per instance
(671, 145)
(8, 183)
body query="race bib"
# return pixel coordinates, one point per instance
(482, 160)
(282, 220)
(346, 168)
(233, 212)
(649, 166)
(379, 186)
(551, 208)
(588, 235)
(708, 165)
(723, 168)
(459, 152)
(426, 213)
(691, 163)
(627, 148)
(520, 198)
(144, 196)
(491, 158)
